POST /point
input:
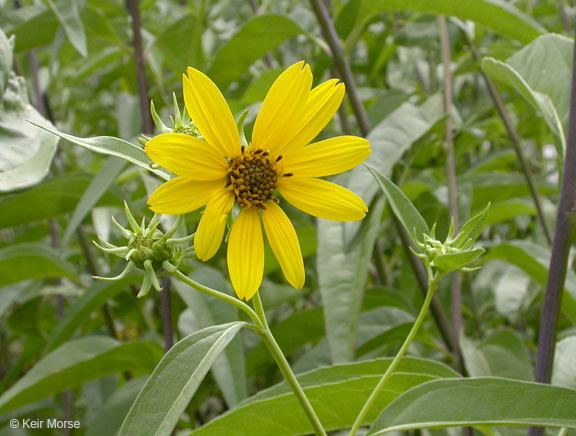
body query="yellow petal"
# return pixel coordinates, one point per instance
(186, 156)
(323, 102)
(210, 231)
(325, 158)
(282, 106)
(323, 199)
(210, 113)
(181, 195)
(246, 253)
(284, 243)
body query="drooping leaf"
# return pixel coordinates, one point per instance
(169, 389)
(480, 401)
(32, 261)
(337, 394)
(256, 38)
(78, 362)
(68, 14)
(111, 146)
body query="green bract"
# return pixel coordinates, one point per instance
(148, 249)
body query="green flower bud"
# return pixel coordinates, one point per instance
(148, 249)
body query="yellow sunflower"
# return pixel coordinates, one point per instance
(216, 171)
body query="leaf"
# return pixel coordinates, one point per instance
(402, 207)
(78, 312)
(179, 46)
(26, 152)
(501, 354)
(497, 15)
(472, 228)
(343, 265)
(29, 261)
(229, 369)
(98, 187)
(534, 260)
(174, 381)
(452, 262)
(68, 15)
(52, 198)
(480, 401)
(78, 362)
(337, 394)
(256, 38)
(5, 61)
(110, 416)
(564, 373)
(507, 75)
(111, 146)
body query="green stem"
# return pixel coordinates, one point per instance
(220, 295)
(285, 368)
(390, 370)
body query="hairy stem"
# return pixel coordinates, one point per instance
(166, 309)
(397, 359)
(285, 369)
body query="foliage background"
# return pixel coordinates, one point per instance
(78, 71)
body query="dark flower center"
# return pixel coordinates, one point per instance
(252, 177)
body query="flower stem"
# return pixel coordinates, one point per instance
(220, 295)
(390, 370)
(285, 369)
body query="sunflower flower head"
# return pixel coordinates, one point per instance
(280, 163)
(147, 248)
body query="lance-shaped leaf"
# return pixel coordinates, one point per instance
(171, 386)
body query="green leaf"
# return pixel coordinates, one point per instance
(564, 373)
(534, 260)
(174, 381)
(472, 229)
(179, 46)
(111, 146)
(507, 75)
(344, 249)
(229, 370)
(110, 416)
(497, 15)
(29, 261)
(501, 354)
(337, 394)
(455, 261)
(68, 15)
(52, 198)
(480, 401)
(402, 206)
(26, 151)
(78, 362)
(98, 187)
(37, 28)
(256, 38)
(93, 299)
(5, 61)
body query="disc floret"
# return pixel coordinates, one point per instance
(253, 178)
